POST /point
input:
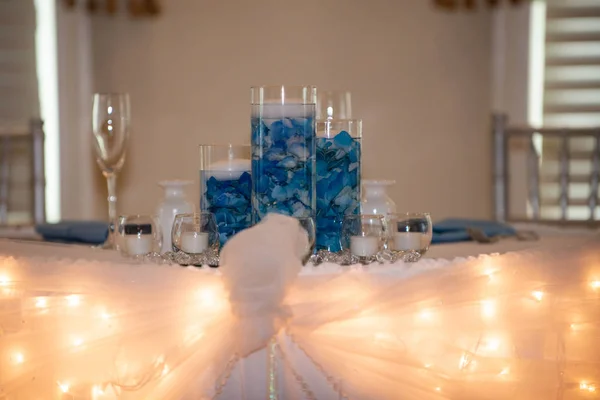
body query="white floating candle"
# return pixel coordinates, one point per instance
(291, 109)
(404, 241)
(228, 170)
(194, 242)
(364, 246)
(139, 244)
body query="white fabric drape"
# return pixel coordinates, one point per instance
(521, 325)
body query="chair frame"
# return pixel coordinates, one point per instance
(38, 193)
(502, 133)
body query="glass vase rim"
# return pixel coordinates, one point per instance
(410, 214)
(229, 145)
(379, 182)
(125, 94)
(193, 214)
(350, 216)
(253, 87)
(169, 183)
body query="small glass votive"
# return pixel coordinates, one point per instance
(308, 224)
(195, 233)
(138, 235)
(410, 232)
(363, 235)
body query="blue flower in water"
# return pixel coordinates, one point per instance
(338, 174)
(288, 162)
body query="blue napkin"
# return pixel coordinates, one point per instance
(455, 229)
(92, 232)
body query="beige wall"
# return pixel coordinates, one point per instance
(420, 78)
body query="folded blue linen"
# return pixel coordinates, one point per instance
(92, 232)
(456, 229)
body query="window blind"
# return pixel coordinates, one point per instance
(19, 103)
(571, 100)
(18, 72)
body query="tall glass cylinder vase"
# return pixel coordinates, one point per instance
(338, 178)
(334, 105)
(283, 150)
(226, 187)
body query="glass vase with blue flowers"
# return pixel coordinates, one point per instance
(283, 150)
(226, 187)
(338, 152)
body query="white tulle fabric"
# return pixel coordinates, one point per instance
(80, 324)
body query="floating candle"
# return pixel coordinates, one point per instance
(194, 242)
(138, 245)
(228, 170)
(291, 109)
(364, 246)
(404, 241)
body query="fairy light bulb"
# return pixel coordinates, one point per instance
(165, 370)
(4, 280)
(538, 295)
(73, 300)
(426, 315)
(77, 341)
(595, 284)
(63, 386)
(18, 358)
(488, 308)
(41, 302)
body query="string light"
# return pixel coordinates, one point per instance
(4, 280)
(41, 302)
(505, 371)
(97, 391)
(165, 370)
(64, 387)
(493, 344)
(18, 358)
(538, 295)
(73, 300)
(595, 284)
(588, 387)
(77, 341)
(488, 308)
(426, 315)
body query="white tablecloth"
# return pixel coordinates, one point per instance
(249, 378)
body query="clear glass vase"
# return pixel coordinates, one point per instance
(338, 178)
(283, 150)
(226, 187)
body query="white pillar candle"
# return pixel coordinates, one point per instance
(364, 246)
(227, 170)
(407, 241)
(138, 245)
(194, 242)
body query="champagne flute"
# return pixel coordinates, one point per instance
(110, 126)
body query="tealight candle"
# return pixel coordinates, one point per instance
(364, 246)
(408, 241)
(194, 242)
(139, 244)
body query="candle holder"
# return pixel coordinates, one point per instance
(338, 178)
(363, 235)
(139, 235)
(195, 233)
(226, 187)
(410, 233)
(283, 150)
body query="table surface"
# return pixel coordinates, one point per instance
(548, 238)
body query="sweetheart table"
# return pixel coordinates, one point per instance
(510, 320)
